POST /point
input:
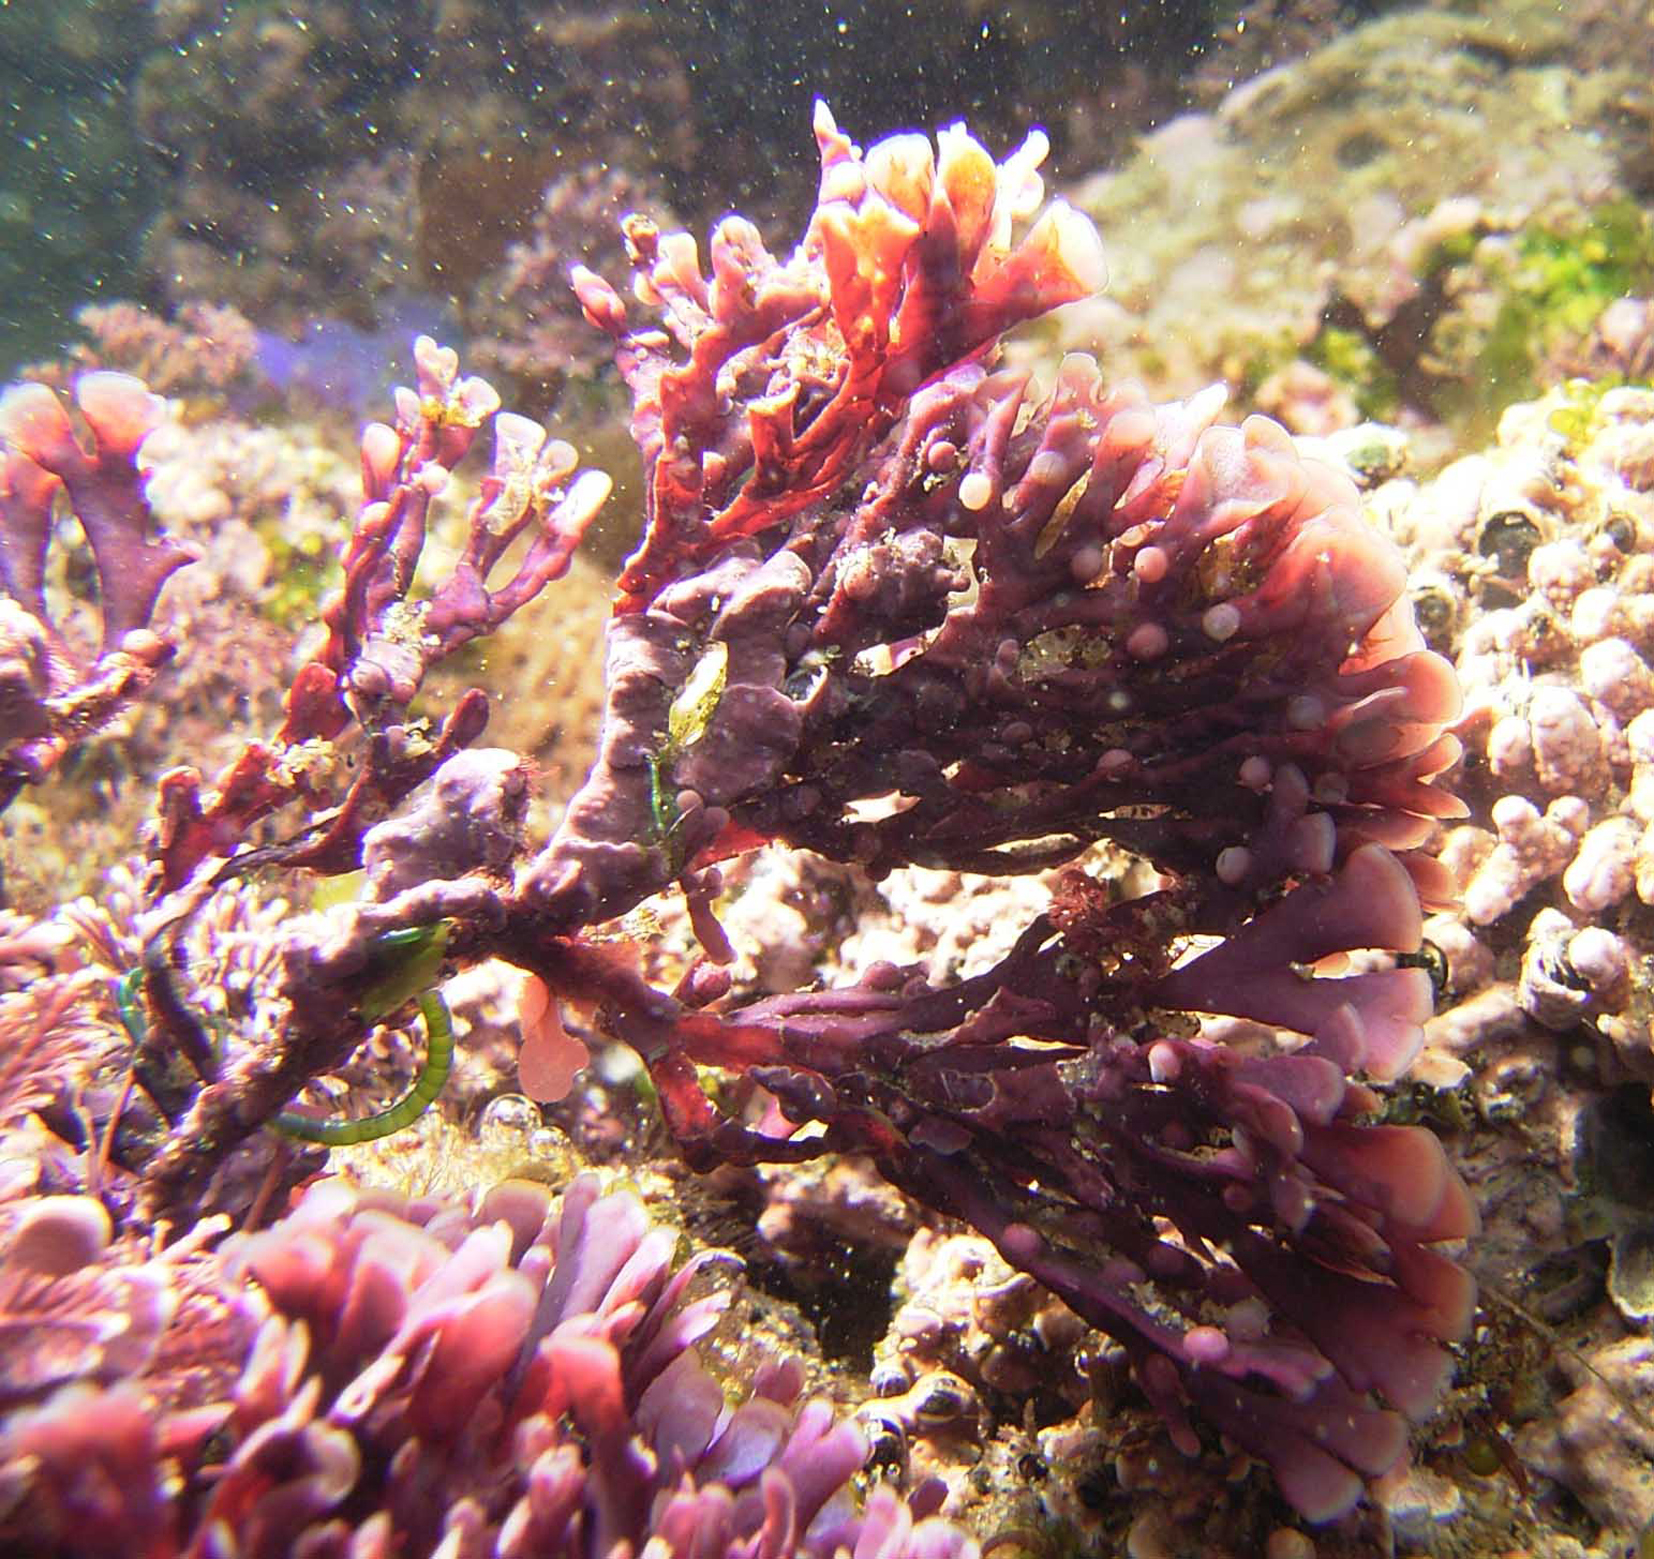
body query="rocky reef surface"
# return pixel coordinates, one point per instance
(1464, 337)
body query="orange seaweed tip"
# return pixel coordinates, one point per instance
(120, 410)
(902, 168)
(34, 424)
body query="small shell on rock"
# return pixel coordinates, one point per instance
(1508, 538)
(1469, 960)
(1549, 991)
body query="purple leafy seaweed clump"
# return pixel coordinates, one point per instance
(892, 607)
(877, 569)
(516, 1379)
(895, 606)
(380, 643)
(52, 692)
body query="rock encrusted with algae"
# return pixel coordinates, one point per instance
(1533, 568)
(1332, 207)
(1546, 538)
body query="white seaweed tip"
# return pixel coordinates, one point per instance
(1073, 238)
